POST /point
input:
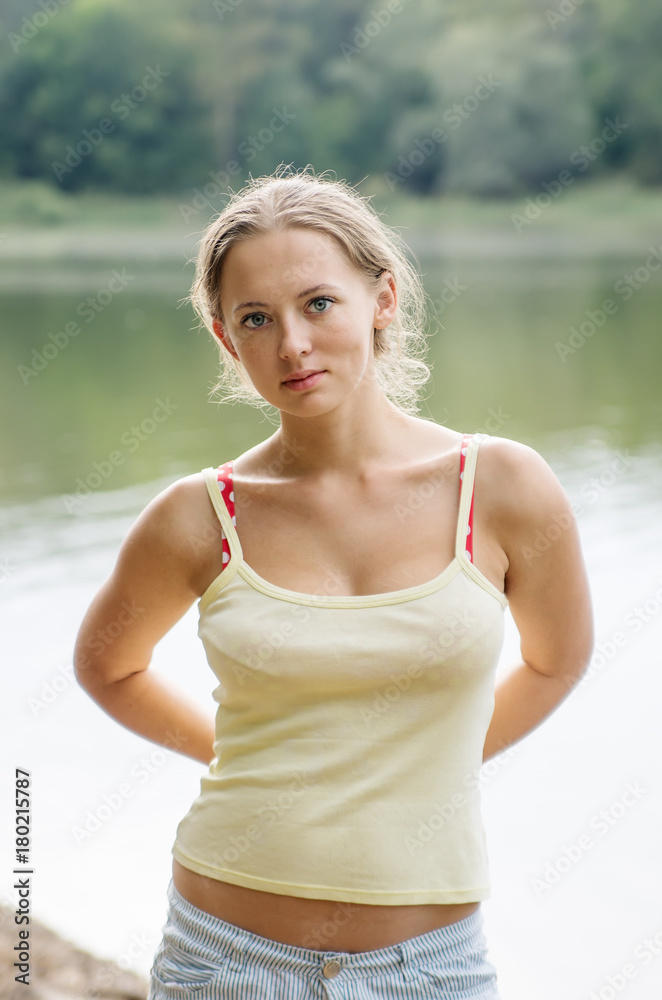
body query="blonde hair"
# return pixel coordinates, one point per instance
(288, 199)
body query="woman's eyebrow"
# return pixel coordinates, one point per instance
(245, 304)
(318, 288)
(308, 291)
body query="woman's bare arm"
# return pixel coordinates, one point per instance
(547, 587)
(151, 587)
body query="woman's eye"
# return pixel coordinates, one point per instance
(256, 320)
(324, 299)
(254, 316)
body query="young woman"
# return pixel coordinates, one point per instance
(352, 572)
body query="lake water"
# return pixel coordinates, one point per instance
(572, 814)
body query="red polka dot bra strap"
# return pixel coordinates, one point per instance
(470, 525)
(225, 485)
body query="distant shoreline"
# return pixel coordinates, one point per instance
(607, 218)
(69, 244)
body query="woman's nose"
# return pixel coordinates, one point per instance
(294, 335)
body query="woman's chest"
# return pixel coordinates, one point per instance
(349, 542)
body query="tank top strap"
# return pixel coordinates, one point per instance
(220, 488)
(468, 458)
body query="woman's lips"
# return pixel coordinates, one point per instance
(298, 384)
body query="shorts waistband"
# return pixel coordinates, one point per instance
(213, 936)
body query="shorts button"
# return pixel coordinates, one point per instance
(331, 969)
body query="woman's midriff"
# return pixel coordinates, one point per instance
(322, 924)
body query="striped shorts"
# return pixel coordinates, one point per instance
(202, 957)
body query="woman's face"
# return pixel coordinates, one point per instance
(292, 302)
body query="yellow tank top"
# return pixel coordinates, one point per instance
(349, 732)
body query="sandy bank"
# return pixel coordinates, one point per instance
(59, 970)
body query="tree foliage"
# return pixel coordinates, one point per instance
(430, 96)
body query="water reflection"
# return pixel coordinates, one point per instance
(69, 401)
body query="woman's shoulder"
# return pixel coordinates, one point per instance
(523, 489)
(181, 497)
(177, 516)
(506, 460)
(499, 458)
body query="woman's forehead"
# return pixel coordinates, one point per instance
(286, 260)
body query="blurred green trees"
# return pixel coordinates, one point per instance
(426, 96)
(100, 97)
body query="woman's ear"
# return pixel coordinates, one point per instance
(222, 336)
(387, 302)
